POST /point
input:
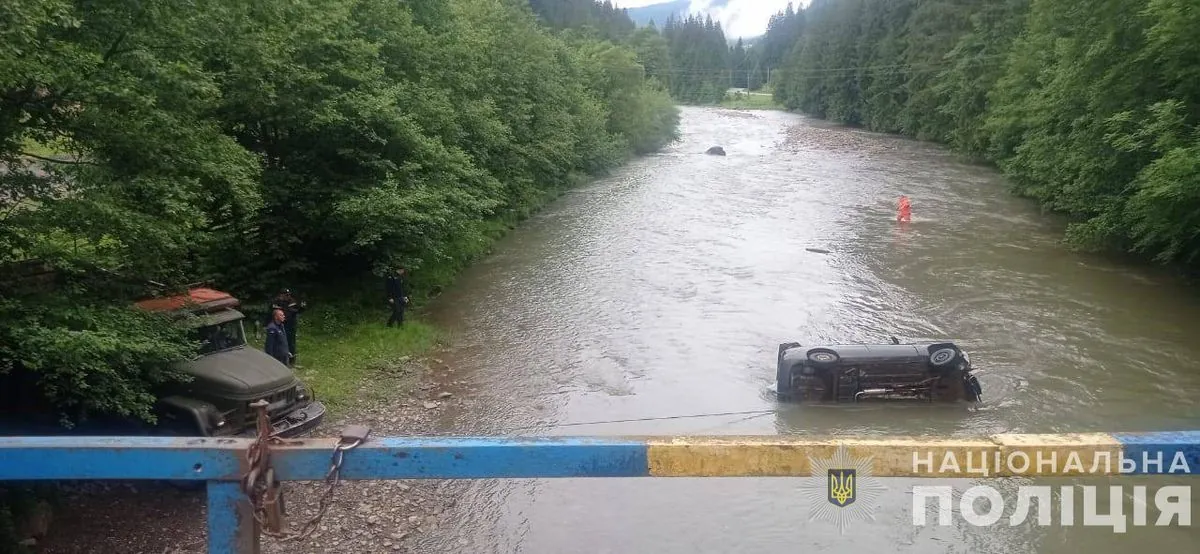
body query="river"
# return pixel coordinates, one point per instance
(664, 290)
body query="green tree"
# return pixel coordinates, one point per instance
(601, 18)
(978, 58)
(933, 29)
(1088, 107)
(699, 58)
(146, 142)
(140, 184)
(653, 52)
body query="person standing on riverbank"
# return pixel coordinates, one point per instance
(276, 344)
(287, 302)
(397, 296)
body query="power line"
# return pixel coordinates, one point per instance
(824, 70)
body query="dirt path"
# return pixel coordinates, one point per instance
(366, 516)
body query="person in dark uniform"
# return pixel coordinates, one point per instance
(397, 296)
(276, 344)
(291, 310)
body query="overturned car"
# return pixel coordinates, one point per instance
(857, 372)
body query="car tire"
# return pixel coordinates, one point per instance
(823, 356)
(943, 357)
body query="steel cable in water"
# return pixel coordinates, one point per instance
(753, 413)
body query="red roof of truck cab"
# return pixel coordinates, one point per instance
(197, 298)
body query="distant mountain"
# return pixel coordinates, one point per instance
(658, 13)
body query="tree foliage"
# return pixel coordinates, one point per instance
(1089, 107)
(784, 30)
(153, 141)
(601, 19)
(690, 56)
(700, 60)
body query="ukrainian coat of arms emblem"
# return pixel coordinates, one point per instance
(842, 489)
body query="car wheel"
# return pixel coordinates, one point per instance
(943, 357)
(822, 356)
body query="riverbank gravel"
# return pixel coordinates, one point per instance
(365, 516)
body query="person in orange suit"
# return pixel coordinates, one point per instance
(905, 212)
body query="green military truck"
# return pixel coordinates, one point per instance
(228, 375)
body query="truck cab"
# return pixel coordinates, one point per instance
(228, 375)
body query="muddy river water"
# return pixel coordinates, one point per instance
(664, 290)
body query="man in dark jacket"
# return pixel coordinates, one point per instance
(397, 296)
(276, 344)
(291, 311)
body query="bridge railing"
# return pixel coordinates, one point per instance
(228, 464)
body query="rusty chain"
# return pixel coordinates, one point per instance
(266, 492)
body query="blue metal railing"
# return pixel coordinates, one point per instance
(233, 528)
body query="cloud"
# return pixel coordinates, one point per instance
(637, 3)
(739, 18)
(742, 18)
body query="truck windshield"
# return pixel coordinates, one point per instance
(222, 336)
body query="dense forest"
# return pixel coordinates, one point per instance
(148, 144)
(600, 19)
(705, 64)
(700, 60)
(1090, 107)
(690, 57)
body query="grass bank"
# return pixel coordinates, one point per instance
(343, 338)
(334, 362)
(751, 101)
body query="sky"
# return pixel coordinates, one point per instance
(741, 18)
